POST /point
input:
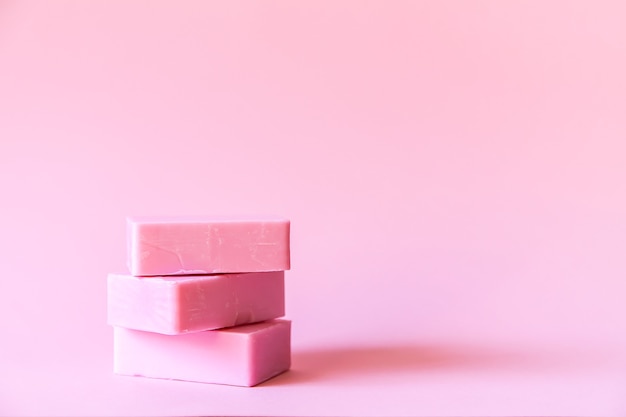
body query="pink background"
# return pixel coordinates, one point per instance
(454, 172)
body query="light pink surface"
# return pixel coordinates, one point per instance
(453, 171)
(243, 355)
(173, 305)
(178, 245)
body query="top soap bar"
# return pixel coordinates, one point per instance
(206, 245)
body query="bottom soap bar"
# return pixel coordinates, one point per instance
(243, 355)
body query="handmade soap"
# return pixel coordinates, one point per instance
(242, 355)
(205, 245)
(192, 303)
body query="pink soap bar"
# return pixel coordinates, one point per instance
(243, 355)
(192, 303)
(206, 245)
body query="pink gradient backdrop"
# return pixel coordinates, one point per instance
(454, 172)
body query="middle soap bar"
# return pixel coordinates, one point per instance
(193, 303)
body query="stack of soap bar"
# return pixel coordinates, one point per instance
(202, 300)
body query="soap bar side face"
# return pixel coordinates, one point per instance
(198, 357)
(230, 300)
(243, 356)
(251, 246)
(132, 301)
(271, 352)
(163, 249)
(176, 246)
